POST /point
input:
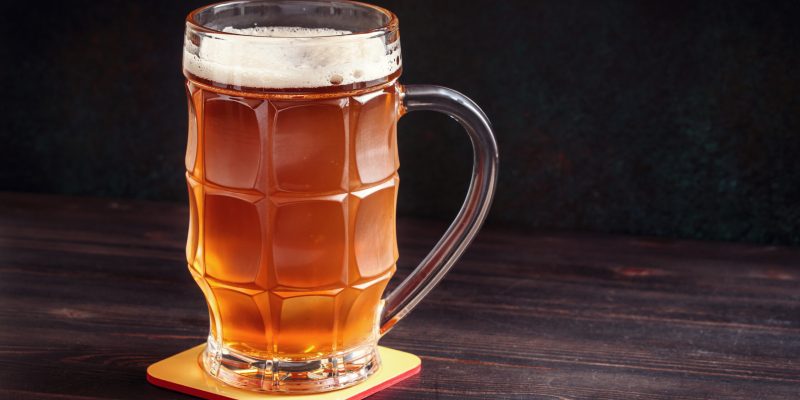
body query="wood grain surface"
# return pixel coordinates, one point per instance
(94, 290)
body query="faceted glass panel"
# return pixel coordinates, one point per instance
(192, 236)
(232, 238)
(360, 322)
(191, 141)
(375, 142)
(211, 301)
(306, 326)
(232, 136)
(242, 323)
(308, 244)
(374, 238)
(309, 147)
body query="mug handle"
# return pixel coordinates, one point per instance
(432, 269)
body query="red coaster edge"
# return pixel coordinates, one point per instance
(211, 396)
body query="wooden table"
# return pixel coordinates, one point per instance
(94, 290)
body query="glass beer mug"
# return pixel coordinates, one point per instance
(291, 164)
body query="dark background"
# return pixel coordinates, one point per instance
(668, 118)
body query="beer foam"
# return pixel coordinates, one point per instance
(279, 57)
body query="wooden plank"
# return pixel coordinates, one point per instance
(94, 290)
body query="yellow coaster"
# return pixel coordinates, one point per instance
(182, 373)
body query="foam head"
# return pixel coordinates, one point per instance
(280, 57)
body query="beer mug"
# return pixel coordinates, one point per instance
(291, 165)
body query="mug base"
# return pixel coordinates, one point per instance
(282, 375)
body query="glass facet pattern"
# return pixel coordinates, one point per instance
(292, 218)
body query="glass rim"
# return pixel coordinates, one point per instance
(390, 25)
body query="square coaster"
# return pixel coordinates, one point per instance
(182, 373)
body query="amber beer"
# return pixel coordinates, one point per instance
(292, 229)
(291, 165)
